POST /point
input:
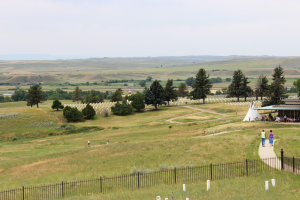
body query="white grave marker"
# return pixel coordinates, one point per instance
(184, 187)
(267, 185)
(158, 198)
(273, 182)
(208, 185)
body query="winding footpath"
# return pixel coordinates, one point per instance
(268, 155)
(201, 111)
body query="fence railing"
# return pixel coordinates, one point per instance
(143, 180)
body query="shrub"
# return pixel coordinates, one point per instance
(105, 111)
(163, 167)
(170, 126)
(57, 105)
(89, 111)
(51, 134)
(122, 109)
(67, 108)
(141, 170)
(83, 129)
(9, 115)
(72, 114)
(14, 139)
(138, 102)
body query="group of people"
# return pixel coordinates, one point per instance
(89, 142)
(263, 138)
(287, 119)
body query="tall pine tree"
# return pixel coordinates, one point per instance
(262, 86)
(77, 94)
(245, 88)
(138, 102)
(201, 86)
(170, 93)
(35, 95)
(277, 87)
(157, 95)
(235, 89)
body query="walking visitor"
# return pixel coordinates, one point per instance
(263, 137)
(271, 138)
(89, 143)
(107, 141)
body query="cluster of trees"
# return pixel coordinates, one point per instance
(4, 99)
(239, 87)
(142, 83)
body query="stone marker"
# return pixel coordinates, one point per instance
(273, 182)
(208, 185)
(267, 185)
(184, 187)
(158, 198)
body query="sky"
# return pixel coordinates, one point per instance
(129, 28)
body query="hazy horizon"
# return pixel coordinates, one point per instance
(131, 28)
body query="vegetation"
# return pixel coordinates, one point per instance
(155, 95)
(182, 90)
(117, 95)
(57, 105)
(89, 112)
(201, 86)
(190, 81)
(239, 85)
(72, 114)
(170, 93)
(122, 109)
(142, 83)
(262, 87)
(35, 96)
(77, 94)
(138, 102)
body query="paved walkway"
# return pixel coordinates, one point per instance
(268, 155)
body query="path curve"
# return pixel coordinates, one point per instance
(207, 111)
(268, 155)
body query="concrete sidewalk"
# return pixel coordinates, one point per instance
(268, 155)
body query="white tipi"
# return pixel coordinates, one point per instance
(252, 114)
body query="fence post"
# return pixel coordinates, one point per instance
(138, 179)
(175, 174)
(100, 184)
(247, 166)
(211, 171)
(282, 167)
(23, 193)
(62, 188)
(293, 164)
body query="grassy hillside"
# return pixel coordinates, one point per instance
(137, 140)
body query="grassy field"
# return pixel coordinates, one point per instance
(44, 155)
(287, 187)
(54, 74)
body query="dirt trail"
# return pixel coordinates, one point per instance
(207, 111)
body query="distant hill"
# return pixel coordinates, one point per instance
(39, 57)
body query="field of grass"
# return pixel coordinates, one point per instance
(43, 154)
(54, 74)
(252, 187)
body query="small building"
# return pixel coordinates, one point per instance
(291, 108)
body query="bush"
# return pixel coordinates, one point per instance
(122, 109)
(89, 111)
(138, 102)
(105, 111)
(141, 170)
(57, 105)
(67, 108)
(83, 129)
(14, 139)
(72, 114)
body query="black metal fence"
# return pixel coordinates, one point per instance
(140, 180)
